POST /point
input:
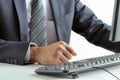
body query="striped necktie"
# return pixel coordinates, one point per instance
(38, 33)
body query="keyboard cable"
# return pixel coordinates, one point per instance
(107, 72)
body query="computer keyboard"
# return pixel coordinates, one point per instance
(75, 67)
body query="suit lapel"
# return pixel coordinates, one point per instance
(22, 17)
(57, 13)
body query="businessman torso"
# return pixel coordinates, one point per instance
(14, 32)
(14, 25)
(68, 15)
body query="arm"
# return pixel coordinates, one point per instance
(13, 52)
(94, 30)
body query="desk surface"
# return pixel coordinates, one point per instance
(15, 72)
(84, 50)
(26, 72)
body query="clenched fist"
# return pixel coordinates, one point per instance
(56, 53)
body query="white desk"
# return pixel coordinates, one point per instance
(14, 72)
(84, 50)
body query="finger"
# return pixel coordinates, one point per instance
(66, 53)
(59, 61)
(62, 58)
(70, 49)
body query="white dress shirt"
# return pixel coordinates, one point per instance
(50, 25)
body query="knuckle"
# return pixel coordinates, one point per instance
(61, 42)
(59, 47)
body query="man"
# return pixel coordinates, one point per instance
(62, 16)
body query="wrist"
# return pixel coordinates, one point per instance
(33, 53)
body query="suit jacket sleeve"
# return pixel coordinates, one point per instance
(94, 30)
(13, 52)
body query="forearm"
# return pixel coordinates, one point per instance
(13, 52)
(94, 30)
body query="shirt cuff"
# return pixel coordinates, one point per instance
(27, 56)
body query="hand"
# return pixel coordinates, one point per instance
(56, 53)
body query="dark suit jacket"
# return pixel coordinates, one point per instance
(68, 14)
